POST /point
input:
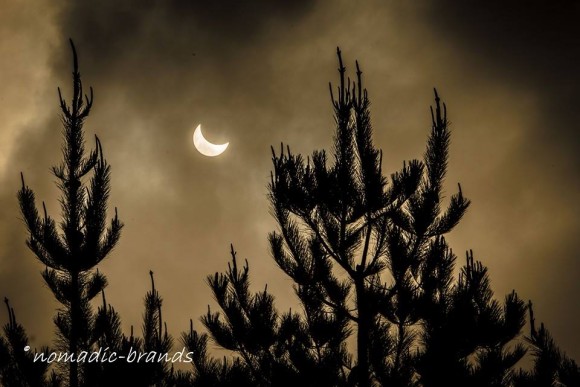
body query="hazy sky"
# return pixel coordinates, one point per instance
(257, 75)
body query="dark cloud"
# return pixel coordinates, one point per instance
(159, 38)
(531, 45)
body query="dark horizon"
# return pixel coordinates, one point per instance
(257, 77)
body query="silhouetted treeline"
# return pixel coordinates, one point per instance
(367, 255)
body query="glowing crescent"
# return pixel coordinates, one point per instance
(205, 147)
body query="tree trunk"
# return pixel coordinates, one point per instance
(363, 369)
(73, 344)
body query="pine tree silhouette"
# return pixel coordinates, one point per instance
(369, 255)
(467, 336)
(209, 372)
(276, 350)
(84, 240)
(155, 336)
(551, 366)
(360, 226)
(17, 365)
(129, 369)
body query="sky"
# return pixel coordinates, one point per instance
(256, 75)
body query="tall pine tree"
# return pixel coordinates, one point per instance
(368, 255)
(347, 218)
(72, 249)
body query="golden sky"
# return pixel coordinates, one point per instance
(257, 75)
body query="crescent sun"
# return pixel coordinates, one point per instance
(205, 147)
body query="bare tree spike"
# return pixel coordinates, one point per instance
(7, 302)
(331, 93)
(359, 82)
(341, 68)
(152, 281)
(160, 320)
(100, 150)
(11, 315)
(532, 319)
(75, 60)
(89, 100)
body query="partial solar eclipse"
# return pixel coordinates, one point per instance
(205, 147)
